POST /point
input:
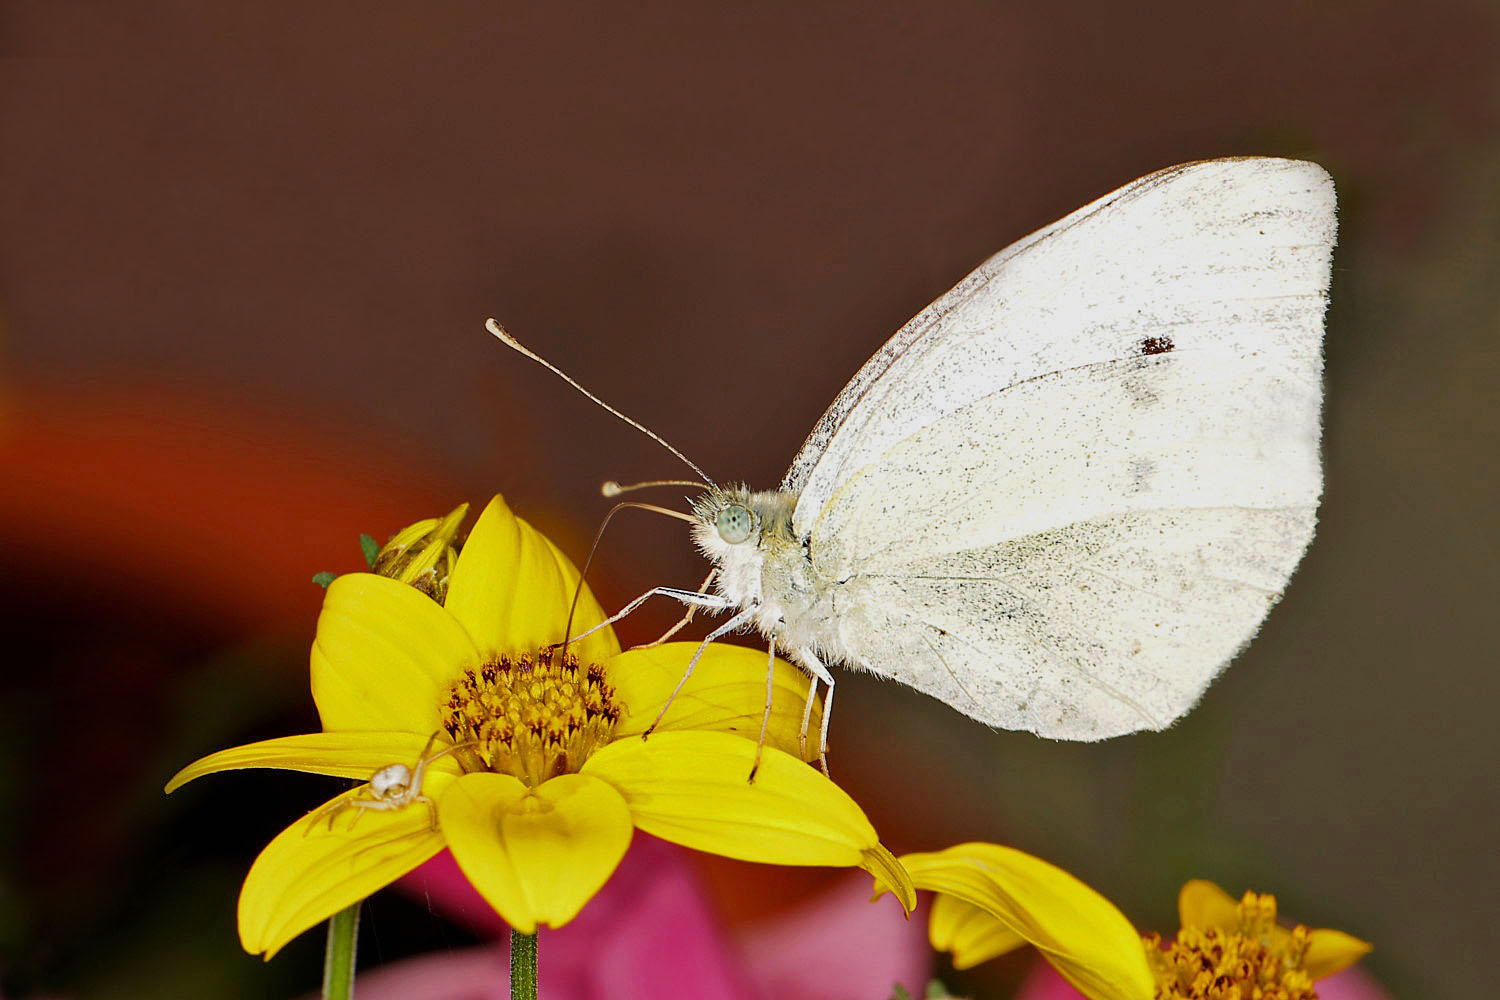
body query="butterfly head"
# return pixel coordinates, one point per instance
(733, 519)
(739, 530)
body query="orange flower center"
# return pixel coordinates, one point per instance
(531, 717)
(1255, 960)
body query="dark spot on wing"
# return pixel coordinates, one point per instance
(1139, 391)
(1157, 345)
(1141, 471)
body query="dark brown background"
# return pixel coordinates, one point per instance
(245, 254)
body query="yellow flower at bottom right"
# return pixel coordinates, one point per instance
(992, 899)
(1225, 946)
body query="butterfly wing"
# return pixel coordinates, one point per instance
(1066, 494)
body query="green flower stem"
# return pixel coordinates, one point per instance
(338, 960)
(522, 966)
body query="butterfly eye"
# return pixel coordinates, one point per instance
(735, 524)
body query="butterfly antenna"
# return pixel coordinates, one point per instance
(511, 342)
(610, 488)
(599, 536)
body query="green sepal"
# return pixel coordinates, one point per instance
(371, 549)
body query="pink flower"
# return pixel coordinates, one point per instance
(652, 933)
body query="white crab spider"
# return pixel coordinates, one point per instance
(392, 788)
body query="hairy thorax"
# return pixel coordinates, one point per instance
(772, 570)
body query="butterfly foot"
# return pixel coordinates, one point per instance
(755, 766)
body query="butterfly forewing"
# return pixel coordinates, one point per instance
(1068, 492)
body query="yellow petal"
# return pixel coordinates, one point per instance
(1080, 932)
(727, 693)
(318, 866)
(343, 755)
(968, 933)
(692, 788)
(536, 855)
(1203, 904)
(512, 587)
(384, 656)
(1331, 951)
(890, 876)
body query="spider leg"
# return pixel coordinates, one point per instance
(331, 809)
(358, 807)
(420, 767)
(386, 842)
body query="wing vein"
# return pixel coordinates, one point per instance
(1068, 666)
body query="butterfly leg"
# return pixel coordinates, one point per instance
(691, 598)
(765, 720)
(812, 691)
(823, 736)
(686, 619)
(729, 626)
(810, 662)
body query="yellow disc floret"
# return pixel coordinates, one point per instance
(1254, 960)
(532, 717)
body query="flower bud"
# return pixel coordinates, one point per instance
(423, 554)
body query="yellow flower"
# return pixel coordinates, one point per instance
(537, 773)
(993, 899)
(1228, 949)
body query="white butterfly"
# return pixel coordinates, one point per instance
(1066, 494)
